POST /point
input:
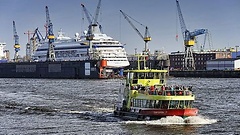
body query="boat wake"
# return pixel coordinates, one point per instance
(176, 120)
(96, 116)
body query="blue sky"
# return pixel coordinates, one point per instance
(220, 17)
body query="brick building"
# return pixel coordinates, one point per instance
(200, 58)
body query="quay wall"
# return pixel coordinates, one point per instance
(206, 73)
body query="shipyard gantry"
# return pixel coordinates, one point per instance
(189, 41)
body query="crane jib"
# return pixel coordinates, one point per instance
(198, 32)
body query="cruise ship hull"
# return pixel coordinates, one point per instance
(57, 69)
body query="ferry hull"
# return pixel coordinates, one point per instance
(156, 113)
(170, 112)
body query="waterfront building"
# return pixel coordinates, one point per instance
(200, 58)
(221, 64)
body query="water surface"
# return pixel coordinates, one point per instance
(55, 106)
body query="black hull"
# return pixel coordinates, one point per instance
(129, 115)
(57, 69)
(134, 116)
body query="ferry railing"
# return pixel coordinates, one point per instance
(150, 90)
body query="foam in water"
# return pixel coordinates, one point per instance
(169, 120)
(104, 109)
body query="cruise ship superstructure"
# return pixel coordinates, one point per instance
(78, 49)
(2, 46)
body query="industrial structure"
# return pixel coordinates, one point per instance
(50, 37)
(35, 40)
(146, 38)
(28, 45)
(189, 41)
(200, 58)
(16, 45)
(93, 24)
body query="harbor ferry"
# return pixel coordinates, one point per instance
(146, 96)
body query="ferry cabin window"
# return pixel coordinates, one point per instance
(150, 75)
(180, 104)
(165, 104)
(173, 104)
(157, 75)
(146, 75)
(138, 103)
(146, 103)
(188, 104)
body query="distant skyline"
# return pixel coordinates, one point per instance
(220, 17)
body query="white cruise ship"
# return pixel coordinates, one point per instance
(2, 46)
(101, 47)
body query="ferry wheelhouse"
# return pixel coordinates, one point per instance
(145, 95)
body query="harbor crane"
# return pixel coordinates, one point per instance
(16, 45)
(50, 37)
(28, 45)
(34, 40)
(38, 35)
(93, 23)
(146, 38)
(189, 41)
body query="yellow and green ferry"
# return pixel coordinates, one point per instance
(145, 95)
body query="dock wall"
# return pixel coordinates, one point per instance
(206, 74)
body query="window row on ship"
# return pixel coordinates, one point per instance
(81, 47)
(162, 104)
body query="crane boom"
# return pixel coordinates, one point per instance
(16, 37)
(38, 34)
(50, 36)
(93, 27)
(198, 32)
(97, 12)
(94, 19)
(182, 23)
(189, 37)
(145, 38)
(129, 21)
(87, 14)
(49, 24)
(16, 40)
